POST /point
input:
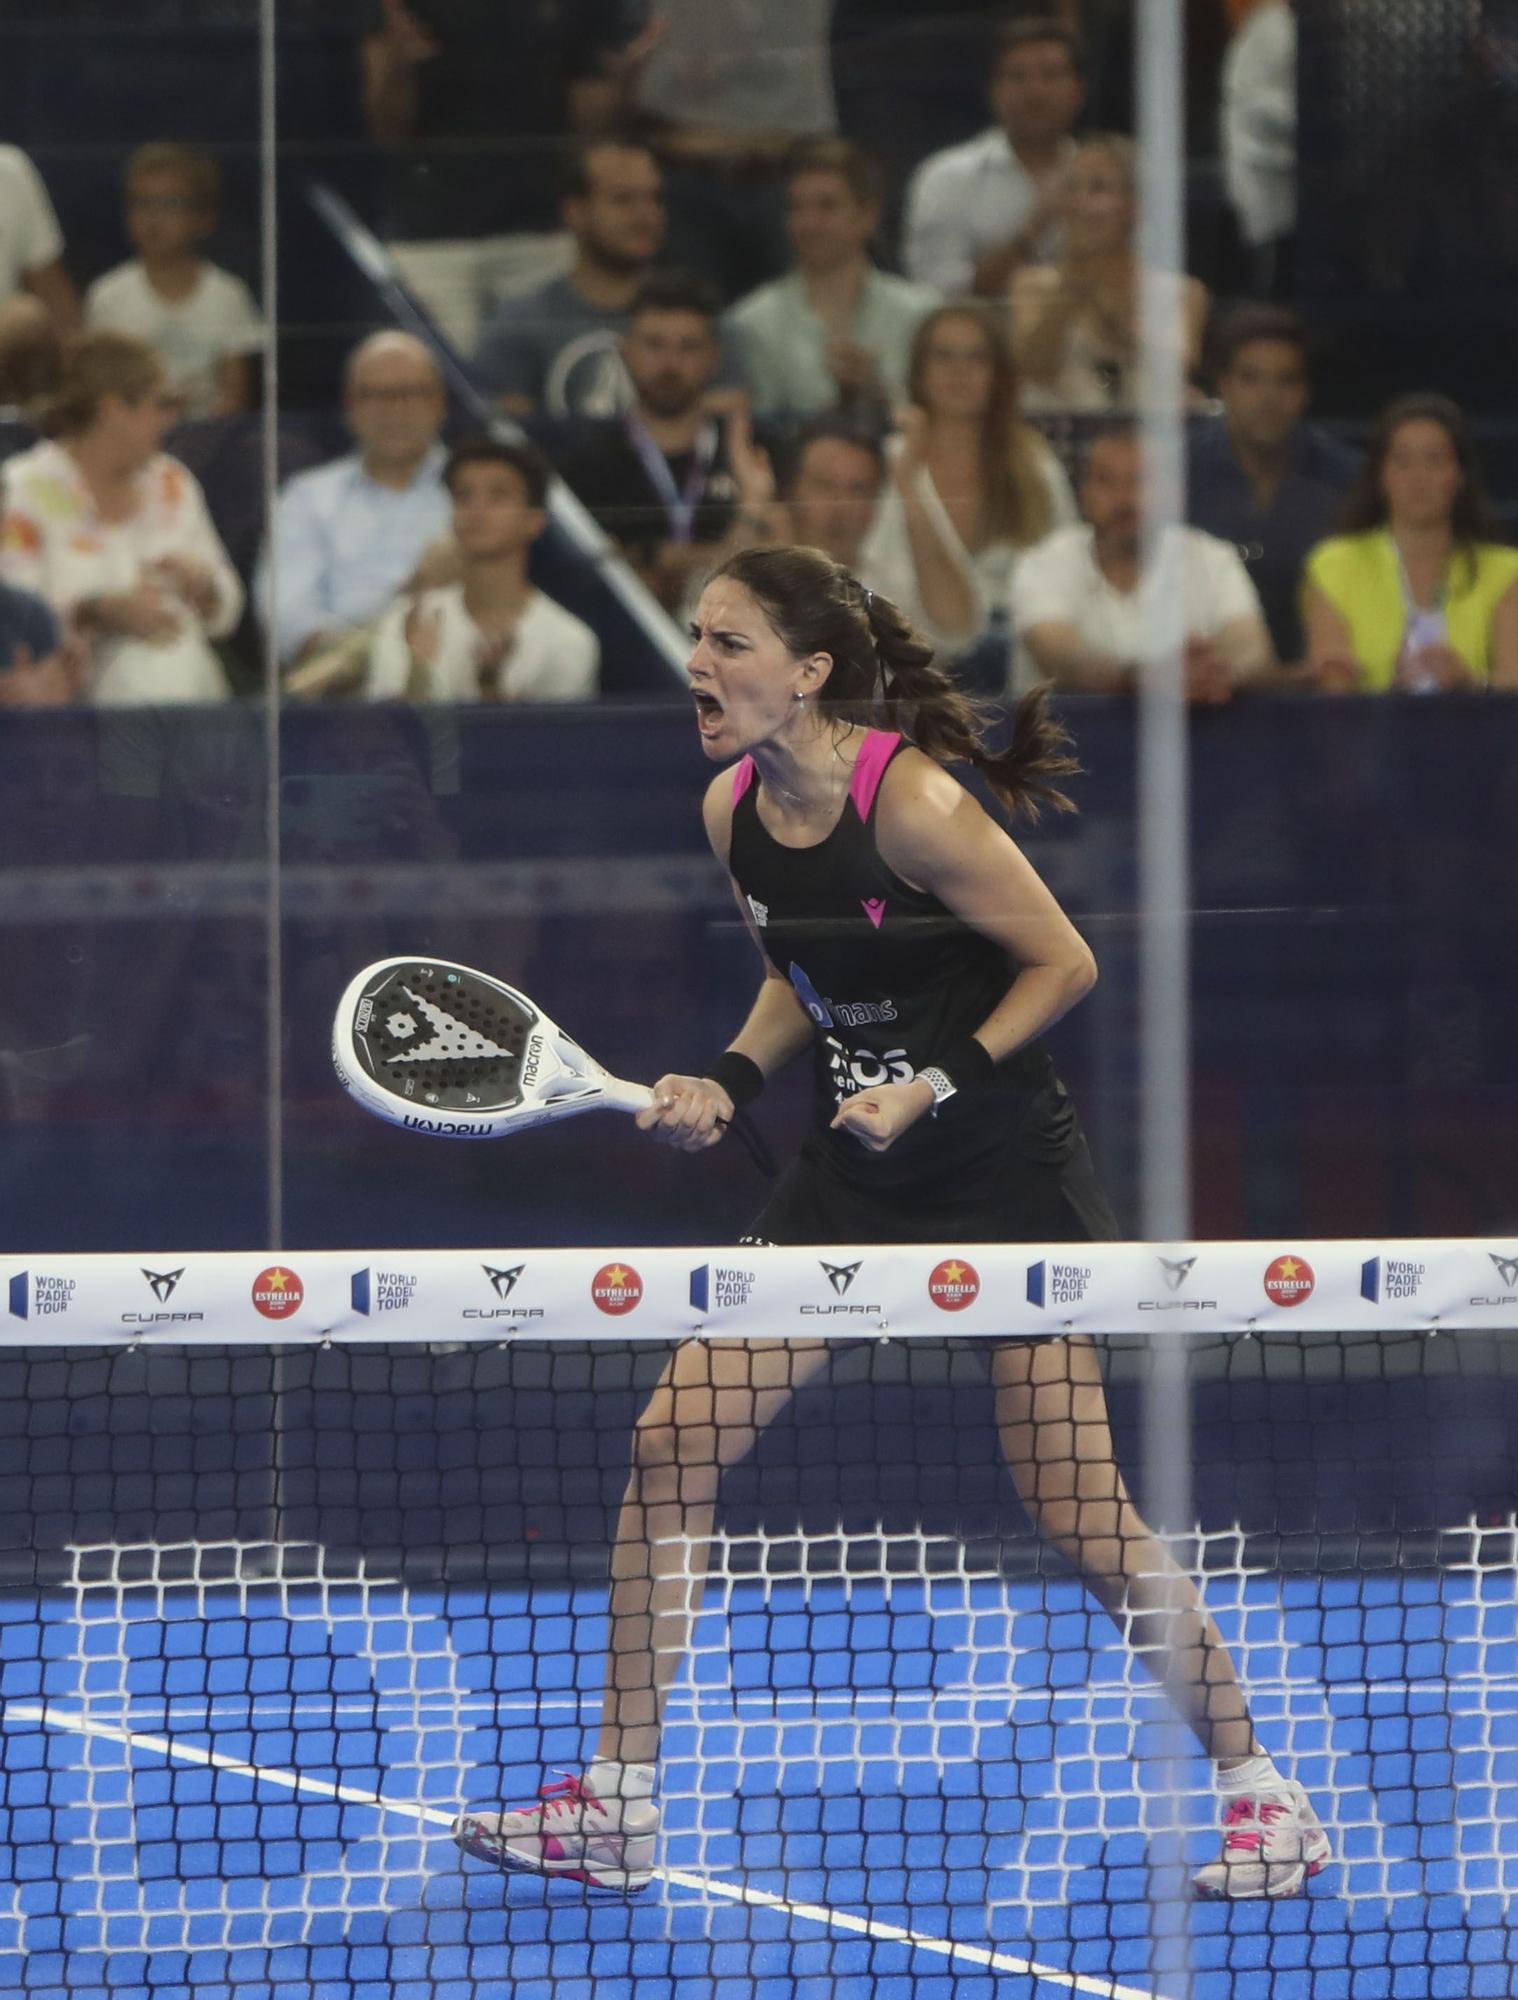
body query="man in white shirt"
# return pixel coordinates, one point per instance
(977, 212)
(349, 535)
(491, 636)
(1081, 598)
(837, 330)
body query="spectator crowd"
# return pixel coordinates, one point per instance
(706, 317)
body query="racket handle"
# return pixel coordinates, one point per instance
(619, 1096)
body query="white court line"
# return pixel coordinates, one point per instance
(763, 1702)
(706, 1885)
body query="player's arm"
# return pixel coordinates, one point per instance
(934, 835)
(693, 1112)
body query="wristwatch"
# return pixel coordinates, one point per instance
(940, 1083)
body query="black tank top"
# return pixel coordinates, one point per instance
(892, 979)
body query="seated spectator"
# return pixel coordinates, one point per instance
(1419, 592)
(990, 484)
(491, 636)
(555, 349)
(200, 318)
(837, 330)
(1075, 324)
(31, 357)
(724, 88)
(470, 101)
(38, 669)
(836, 484)
(977, 212)
(115, 535)
(1259, 475)
(350, 535)
(1082, 598)
(31, 243)
(657, 478)
(1258, 128)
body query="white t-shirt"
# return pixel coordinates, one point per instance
(967, 200)
(886, 562)
(192, 334)
(1059, 583)
(554, 656)
(743, 66)
(1259, 123)
(30, 238)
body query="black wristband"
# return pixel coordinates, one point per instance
(969, 1064)
(742, 1079)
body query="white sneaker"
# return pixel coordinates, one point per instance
(570, 1833)
(1272, 1842)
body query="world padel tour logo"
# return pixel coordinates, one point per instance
(953, 1284)
(1390, 1278)
(616, 1288)
(714, 1287)
(1051, 1284)
(1289, 1280)
(277, 1292)
(381, 1291)
(36, 1292)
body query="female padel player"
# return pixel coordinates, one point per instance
(911, 947)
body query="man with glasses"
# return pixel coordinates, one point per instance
(350, 536)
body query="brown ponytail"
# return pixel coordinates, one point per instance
(885, 676)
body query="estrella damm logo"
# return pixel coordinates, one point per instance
(1289, 1280)
(953, 1284)
(616, 1288)
(277, 1292)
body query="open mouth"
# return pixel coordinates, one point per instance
(708, 711)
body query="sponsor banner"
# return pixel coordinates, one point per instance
(867, 1291)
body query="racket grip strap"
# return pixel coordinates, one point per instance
(739, 1076)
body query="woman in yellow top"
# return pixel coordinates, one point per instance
(1418, 593)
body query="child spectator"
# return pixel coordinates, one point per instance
(201, 319)
(491, 636)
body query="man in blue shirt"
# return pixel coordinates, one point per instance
(350, 535)
(1259, 475)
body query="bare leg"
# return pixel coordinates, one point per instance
(1051, 1413)
(710, 1405)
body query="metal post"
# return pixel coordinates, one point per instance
(1164, 875)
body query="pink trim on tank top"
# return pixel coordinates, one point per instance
(743, 777)
(869, 768)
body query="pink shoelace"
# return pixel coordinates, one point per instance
(1251, 1839)
(568, 1794)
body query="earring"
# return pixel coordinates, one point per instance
(799, 696)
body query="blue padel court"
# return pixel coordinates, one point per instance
(918, 1788)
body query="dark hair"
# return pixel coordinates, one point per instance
(671, 291)
(1471, 518)
(196, 169)
(1023, 31)
(1111, 430)
(860, 172)
(884, 675)
(1247, 324)
(1012, 454)
(575, 177)
(830, 429)
(525, 460)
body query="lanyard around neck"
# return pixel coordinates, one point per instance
(680, 502)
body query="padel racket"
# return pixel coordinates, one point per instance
(439, 1048)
